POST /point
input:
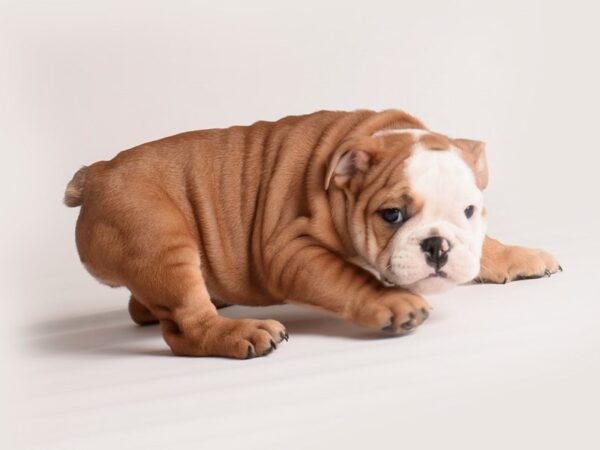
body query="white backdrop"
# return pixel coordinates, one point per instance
(496, 366)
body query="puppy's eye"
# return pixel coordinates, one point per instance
(469, 211)
(392, 216)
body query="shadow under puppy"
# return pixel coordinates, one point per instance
(357, 213)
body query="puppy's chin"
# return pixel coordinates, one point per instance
(435, 285)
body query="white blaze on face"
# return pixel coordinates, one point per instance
(446, 185)
(414, 132)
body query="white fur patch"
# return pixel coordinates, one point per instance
(447, 186)
(416, 133)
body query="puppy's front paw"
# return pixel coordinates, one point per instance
(395, 312)
(517, 263)
(233, 338)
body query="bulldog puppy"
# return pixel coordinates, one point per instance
(357, 213)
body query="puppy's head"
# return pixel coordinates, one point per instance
(413, 206)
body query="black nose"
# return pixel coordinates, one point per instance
(436, 251)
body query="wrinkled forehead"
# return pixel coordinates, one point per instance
(412, 138)
(433, 166)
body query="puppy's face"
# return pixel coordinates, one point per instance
(414, 206)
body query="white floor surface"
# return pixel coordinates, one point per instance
(506, 366)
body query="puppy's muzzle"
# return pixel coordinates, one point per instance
(436, 251)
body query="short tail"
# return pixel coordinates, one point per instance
(74, 191)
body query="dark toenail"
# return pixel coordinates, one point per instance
(409, 325)
(283, 336)
(250, 354)
(425, 313)
(505, 281)
(391, 326)
(560, 268)
(547, 272)
(271, 348)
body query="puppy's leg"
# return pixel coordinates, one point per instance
(148, 247)
(143, 316)
(173, 290)
(140, 314)
(314, 276)
(502, 263)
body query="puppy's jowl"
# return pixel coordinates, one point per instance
(358, 213)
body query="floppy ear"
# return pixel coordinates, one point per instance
(475, 154)
(349, 160)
